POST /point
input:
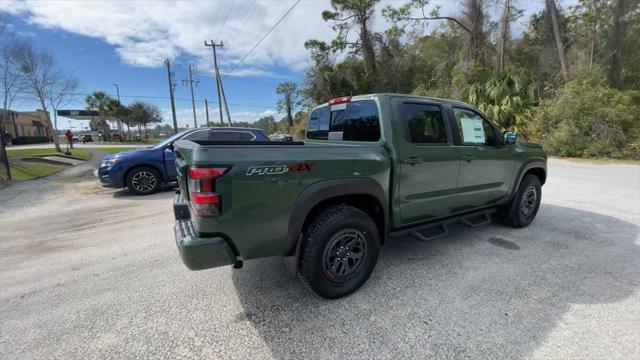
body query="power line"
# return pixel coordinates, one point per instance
(225, 21)
(244, 21)
(215, 18)
(265, 35)
(161, 97)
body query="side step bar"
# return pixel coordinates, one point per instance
(430, 233)
(477, 220)
(439, 229)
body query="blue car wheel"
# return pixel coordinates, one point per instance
(143, 180)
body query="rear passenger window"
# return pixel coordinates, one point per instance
(425, 123)
(318, 127)
(231, 136)
(352, 121)
(198, 135)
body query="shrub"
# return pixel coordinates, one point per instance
(20, 140)
(587, 118)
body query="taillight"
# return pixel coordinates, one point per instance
(340, 100)
(204, 200)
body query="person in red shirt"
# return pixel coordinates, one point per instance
(69, 136)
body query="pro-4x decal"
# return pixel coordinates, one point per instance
(280, 169)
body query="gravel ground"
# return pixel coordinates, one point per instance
(87, 272)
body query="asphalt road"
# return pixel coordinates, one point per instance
(87, 272)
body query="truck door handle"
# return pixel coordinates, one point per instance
(468, 157)
(412, 161)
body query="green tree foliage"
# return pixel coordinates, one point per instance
(471, 54)
(142, 114)
(104, 105)
(587, 118)
(503, 96)
(266, 123)
(290, 99)
(122, 112)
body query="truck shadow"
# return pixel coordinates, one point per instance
(165, 192)
(489, 292)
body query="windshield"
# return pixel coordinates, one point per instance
(167, 141)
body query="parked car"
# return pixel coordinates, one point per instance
(86, 138)
(281, 137)
(143, 171)
(372, 168)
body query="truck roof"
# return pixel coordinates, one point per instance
(379, 95)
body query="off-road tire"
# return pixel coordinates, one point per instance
(329, 227)
(133, 180)
(514, 214)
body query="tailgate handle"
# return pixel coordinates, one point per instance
(412, 161)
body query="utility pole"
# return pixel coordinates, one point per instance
(193, 100)
(219, 82)
(173, 103)
(224, 99)
(206, 110)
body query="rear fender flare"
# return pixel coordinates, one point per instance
(324, 190)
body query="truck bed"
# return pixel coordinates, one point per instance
(265, 180)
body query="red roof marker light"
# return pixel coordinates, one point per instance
(340, 100)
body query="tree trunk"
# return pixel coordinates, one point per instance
(615, 66)
(594, 35)
(288, 103)
(106, 128)
(146, 133)
(3, 147)
(475, 19)
(52, 131)
(129, 131)
(368, 52)
(55, 119)
(504, 33)
(553, 12)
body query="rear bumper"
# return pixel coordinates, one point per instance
(199, 253)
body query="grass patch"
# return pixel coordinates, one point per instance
(25, 170)
(114, 150)
(18, 153)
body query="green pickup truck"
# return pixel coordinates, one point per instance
(372, 168)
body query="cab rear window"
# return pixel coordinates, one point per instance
(352, 121)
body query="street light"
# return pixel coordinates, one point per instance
(118, 93)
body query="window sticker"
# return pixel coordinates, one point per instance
(472, 130)
(335, 135)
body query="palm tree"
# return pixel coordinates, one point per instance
(122, 112)
(103, 104)
(504, 96)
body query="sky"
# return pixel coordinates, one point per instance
(126, 43)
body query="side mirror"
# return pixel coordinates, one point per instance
(510, 137)
(170, 147)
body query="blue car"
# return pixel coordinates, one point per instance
(143, 171)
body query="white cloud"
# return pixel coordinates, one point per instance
(145, 32)
(184, 116)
